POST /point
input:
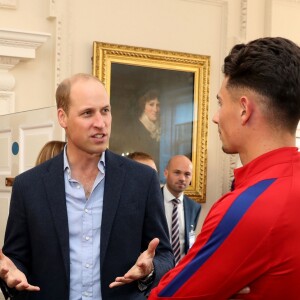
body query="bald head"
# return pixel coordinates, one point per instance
(178, 174)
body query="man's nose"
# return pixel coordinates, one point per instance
(181, 177)
(99, 120)
(215, 118)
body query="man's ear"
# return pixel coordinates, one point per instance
(246, 109)
(62, 118)
(165, 173)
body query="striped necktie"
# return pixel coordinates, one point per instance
(175, 231)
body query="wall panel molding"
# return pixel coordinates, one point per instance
(243, 29)
(21, 44)
(12, 4)
(15, 46)
(60, 12)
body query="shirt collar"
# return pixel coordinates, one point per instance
(101, 163)
(169, 197)
(263, 162)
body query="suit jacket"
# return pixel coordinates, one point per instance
(191, 215)
(37, 236)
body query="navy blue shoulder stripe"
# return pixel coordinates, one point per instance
(234, 214)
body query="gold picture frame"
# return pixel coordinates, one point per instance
(184, 81)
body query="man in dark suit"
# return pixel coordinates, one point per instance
(178, 174)
(86, 224)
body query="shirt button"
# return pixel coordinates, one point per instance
(87, 238)
(86, 210)
(87, 265)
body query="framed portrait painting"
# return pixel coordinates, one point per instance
(159, 103)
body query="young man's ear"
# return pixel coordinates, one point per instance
(245, 109)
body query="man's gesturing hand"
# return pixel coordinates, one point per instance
(142, 267)
(13, 277)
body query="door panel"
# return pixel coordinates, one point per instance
(22, 135)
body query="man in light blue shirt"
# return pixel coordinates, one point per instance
(86, 224)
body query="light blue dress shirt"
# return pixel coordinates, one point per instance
(84, 219)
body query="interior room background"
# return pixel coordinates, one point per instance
(45, 41)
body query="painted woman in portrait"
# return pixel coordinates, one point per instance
(144, 132)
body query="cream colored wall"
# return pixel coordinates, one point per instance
(34, 77)
(208, 27)
(188, 26)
